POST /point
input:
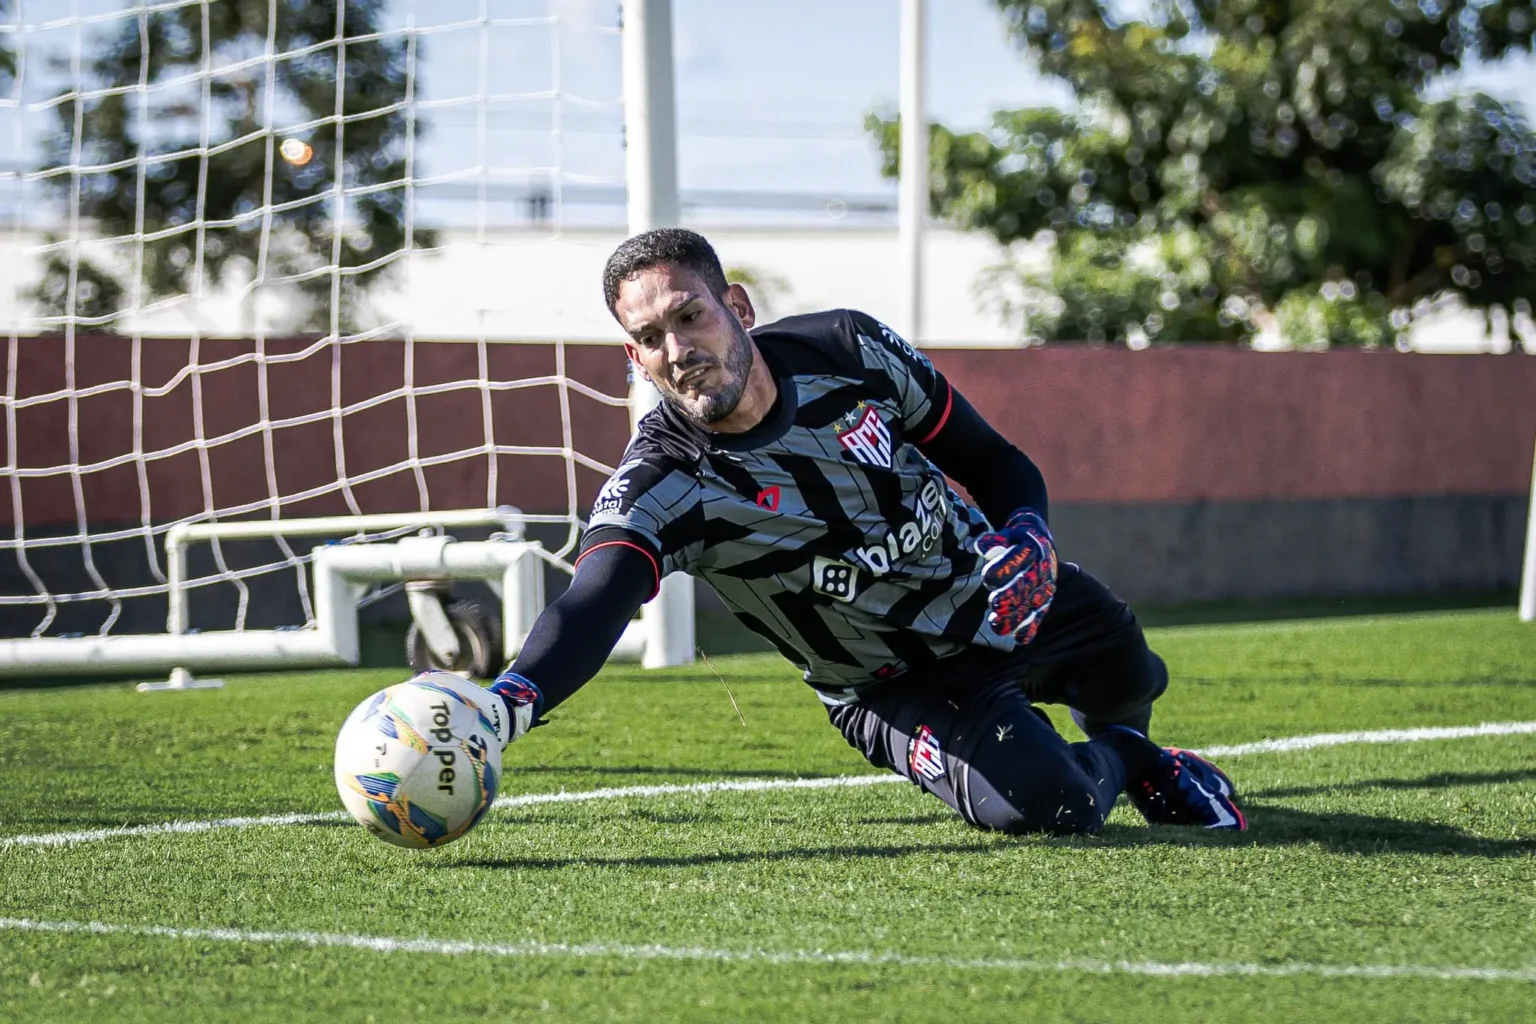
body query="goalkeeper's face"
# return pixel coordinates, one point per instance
(691, 344)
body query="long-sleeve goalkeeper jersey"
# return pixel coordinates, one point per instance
(828, 528)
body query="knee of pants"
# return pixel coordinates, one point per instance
(1056, 798)
(1142, 681)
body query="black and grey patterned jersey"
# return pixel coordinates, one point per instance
(823, 528)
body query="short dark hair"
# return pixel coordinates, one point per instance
(662, 245)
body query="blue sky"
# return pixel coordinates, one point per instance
(770, 93)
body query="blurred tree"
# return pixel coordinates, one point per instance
(7, 53)
(188, 166)
(765, 287)
(1229, 161)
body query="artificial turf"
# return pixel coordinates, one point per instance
(1418, 855)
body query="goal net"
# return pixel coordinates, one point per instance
(268, 261)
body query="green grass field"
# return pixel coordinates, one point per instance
(1380, 881)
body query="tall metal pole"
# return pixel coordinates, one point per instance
(650, 168)
(1528, 571)
(650, 115)
(912, 195)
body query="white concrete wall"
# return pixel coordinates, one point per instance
(532, 284)
(526, 284)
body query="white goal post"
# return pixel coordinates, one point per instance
(193, 483)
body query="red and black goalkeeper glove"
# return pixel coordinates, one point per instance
(1019, 573)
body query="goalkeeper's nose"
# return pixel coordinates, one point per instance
(679, 352)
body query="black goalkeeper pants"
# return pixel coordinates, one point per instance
(968, 732)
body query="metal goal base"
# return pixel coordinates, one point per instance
(181, 679)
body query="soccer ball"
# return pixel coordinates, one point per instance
(417, 763)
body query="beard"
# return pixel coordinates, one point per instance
(711, 405)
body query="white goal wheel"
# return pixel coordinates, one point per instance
(479, 643)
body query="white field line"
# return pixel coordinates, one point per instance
(1286, 745)
(858, 958)
(96, 835)
(1339, 739)
(526, 800)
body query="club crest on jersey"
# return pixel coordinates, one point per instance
(868, 439)
(924, 756)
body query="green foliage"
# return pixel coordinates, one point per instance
(191, 156)
(7, 54)
(764, 286)
(1228, 160)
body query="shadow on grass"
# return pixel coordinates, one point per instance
(1338, 832)
(936, 818)
(625, 769)
(1270, 826)
(828, 853)
(119, 816)
(1442, 780)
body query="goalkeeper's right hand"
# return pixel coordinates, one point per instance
(1020, 574)
(523, 699)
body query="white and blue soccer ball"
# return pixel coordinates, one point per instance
(417, 764)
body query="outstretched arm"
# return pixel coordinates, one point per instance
(1020, 556)
(998, 476)
(947, 429)
(575, 633)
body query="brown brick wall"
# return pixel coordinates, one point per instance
(1106, 425)
(1110, 425)
(373, 436)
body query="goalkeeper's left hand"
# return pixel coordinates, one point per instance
(1020, 574)
(523, 700)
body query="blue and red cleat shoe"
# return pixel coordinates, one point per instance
(1187, 789)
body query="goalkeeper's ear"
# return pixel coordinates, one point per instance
(736, 299)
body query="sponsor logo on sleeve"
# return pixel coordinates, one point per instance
(867, 438)
(896, 341)
(611, 498)
(768, 498)
(923, 755)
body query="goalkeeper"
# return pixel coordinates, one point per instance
(799, 467)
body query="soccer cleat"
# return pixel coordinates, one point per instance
(1186, 789)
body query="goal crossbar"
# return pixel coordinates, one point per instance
(342, 575)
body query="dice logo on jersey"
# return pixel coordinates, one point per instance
(868, 439)
(611, 497)
(838, 580)
(924, 756)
